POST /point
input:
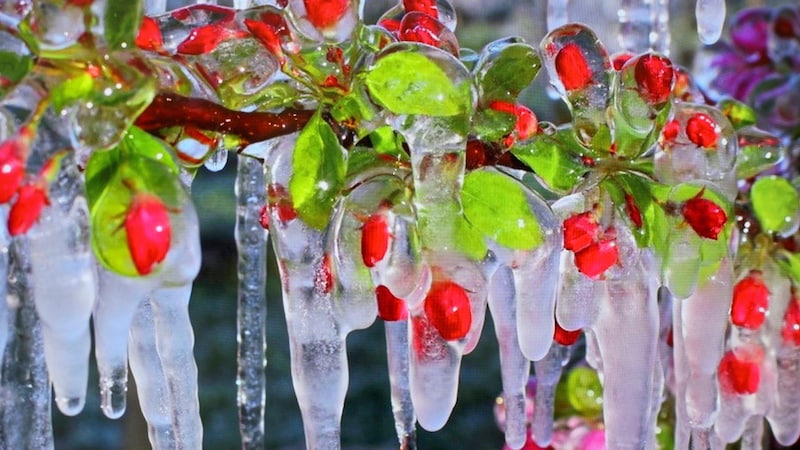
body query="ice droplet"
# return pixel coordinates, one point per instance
(710, 15)
(217, 160)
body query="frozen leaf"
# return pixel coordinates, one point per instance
(505, 68)
(775, 203)
(122, 21)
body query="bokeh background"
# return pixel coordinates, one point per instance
(367, 422)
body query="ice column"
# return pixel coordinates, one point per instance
(405, 421)
(25, 390)
(710, 16)
(251, 244)
(548, 372)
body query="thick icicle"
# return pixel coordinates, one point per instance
(710, 15)
(174, 343)
(705, 320)
(151, 383)
(557, 13)
(118, 300)
(635, 25)
(251, 243)
(64, 287)
(514, 367)
(753, 435)
(680, 371)
(548, 372)
(784, 417)
(25, 391)
(397, 357)
(627, 333)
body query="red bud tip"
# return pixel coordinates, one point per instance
(705, 217)
(390, 308)
(448, 309)
(26, 210)
(572, 68)
(147, 225)
(750, 301)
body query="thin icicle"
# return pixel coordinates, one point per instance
(753, 435)
(151, 383)
(397, 357)
(635, 25)
(25, 391)
(251, 244)
(662, 38)
(557, 14)
(5, 241)
(118, 301)
(710, 15)
(174, 343)
(548, 372)
(514, 367)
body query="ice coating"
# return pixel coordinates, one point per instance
(548, 372)
(514, 367)
(251, 242)
(578, 66)
(397, 355)
(630, 305)
(217, 160)
(710, 15)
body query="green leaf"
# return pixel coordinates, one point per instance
(353, 107)
(122, 21)
(758, 151)
(505, 69)
(550, 159)
(775, 202)
(407, 82)
(71, 90)
(318, 172)
(489, 125)
(386, 142)
(738, 113)
(469, 240)
(497, 206)
(790, 265)
(14, 66)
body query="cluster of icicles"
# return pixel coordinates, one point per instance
(54, 287)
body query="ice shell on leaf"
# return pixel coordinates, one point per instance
(445, 13)
(177, 26)
(642, 89)
(758, 151)
(504, 68)
(704, 148)
(578, 66)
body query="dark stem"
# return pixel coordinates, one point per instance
(169, 110)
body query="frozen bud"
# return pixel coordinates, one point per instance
(374, 239)
(739, 374)
(702, 130)
(580, 231)
(390, 308)
(448, 310)
(790, 332)
(565, 337)
(750, 301)
(26, 210)
(148, 228)
(572, 67)
(706, 218)
(428, 7)
(595, 259)
(12, 169)
(654, 77)
(149, 36)
(325, 14)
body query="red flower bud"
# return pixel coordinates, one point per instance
(325, 13)
(149, 37)
(598, 257)
(25, 212)
(702, 130)
(374, 239)
(790, 332)
(654, 77)
(580, 231)
(148, 228)
(572, 68)
(750, 301)
(428, 7)
(633, 210)
(390, 308)
(12, 169)
(738, 375)
(704, 216)
(565, 337)
(448, 310)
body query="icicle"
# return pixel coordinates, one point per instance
(155, 7)
(402, 408)
(5, 241)
(557, 13)
(710, 16)
(174, 343)
(784, 417)
(217, 160)
(118, 300)
(705, 317)
(663, 37)
(635, 25)
(753, 434)
(548, 372)
(251, 243)
(151, 383)
(514, 367)
(65, 287)
(627, 333)
(680, 372)
(25, 392)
